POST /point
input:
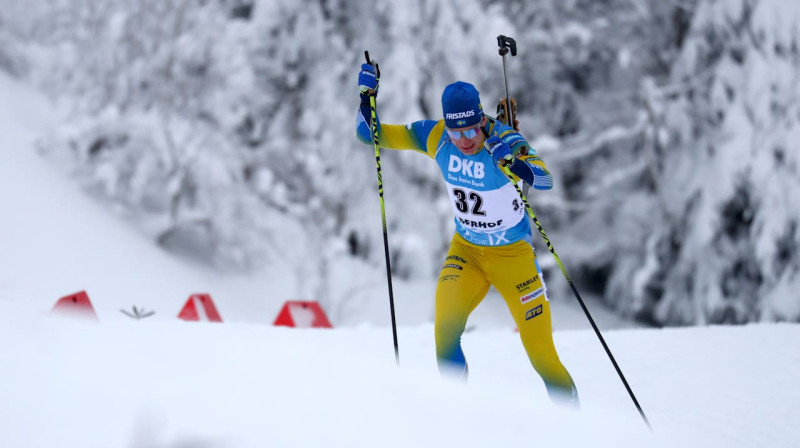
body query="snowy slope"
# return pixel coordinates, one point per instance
(159, 384)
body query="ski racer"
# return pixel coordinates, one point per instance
(492, 244)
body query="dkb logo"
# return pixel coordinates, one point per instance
(466, 167)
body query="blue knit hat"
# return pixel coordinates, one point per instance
(461, 105)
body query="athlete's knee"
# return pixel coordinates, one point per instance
(448, 344)
(448, 331)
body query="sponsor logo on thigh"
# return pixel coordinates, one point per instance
(533, 312)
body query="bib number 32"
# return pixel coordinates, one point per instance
(463, 200)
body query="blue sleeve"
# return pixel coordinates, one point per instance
(528, 166)
(534, 175)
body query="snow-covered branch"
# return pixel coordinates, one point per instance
(573, 150)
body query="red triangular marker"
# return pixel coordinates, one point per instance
(77, 305)
(302, 314)
(200, 307)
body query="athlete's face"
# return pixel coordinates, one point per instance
(468, 140)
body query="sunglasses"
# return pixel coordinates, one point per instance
(468, 133)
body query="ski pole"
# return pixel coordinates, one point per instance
(506, 44)
(376, 142)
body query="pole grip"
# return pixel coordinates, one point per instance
(505, 44)
(375, 64)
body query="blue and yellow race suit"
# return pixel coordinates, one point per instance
(492, 244)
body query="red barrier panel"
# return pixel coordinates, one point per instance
(200, 307)
(77, 305)
(302, 314)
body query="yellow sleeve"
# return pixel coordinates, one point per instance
(421, 136)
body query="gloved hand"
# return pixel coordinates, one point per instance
(368, 79)
(501, 152)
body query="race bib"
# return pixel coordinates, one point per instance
(486, 211)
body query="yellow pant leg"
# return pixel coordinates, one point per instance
(462, 286)
(513, 272)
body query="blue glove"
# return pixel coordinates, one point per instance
(368, 79)
(501, 152)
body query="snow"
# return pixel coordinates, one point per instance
(162, 382)
(156, 383)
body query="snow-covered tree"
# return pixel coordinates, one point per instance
(224, 129)
(720, 242)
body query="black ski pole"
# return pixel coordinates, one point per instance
(376, 142)
(506, 44)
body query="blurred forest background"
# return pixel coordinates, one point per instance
(224, 130)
